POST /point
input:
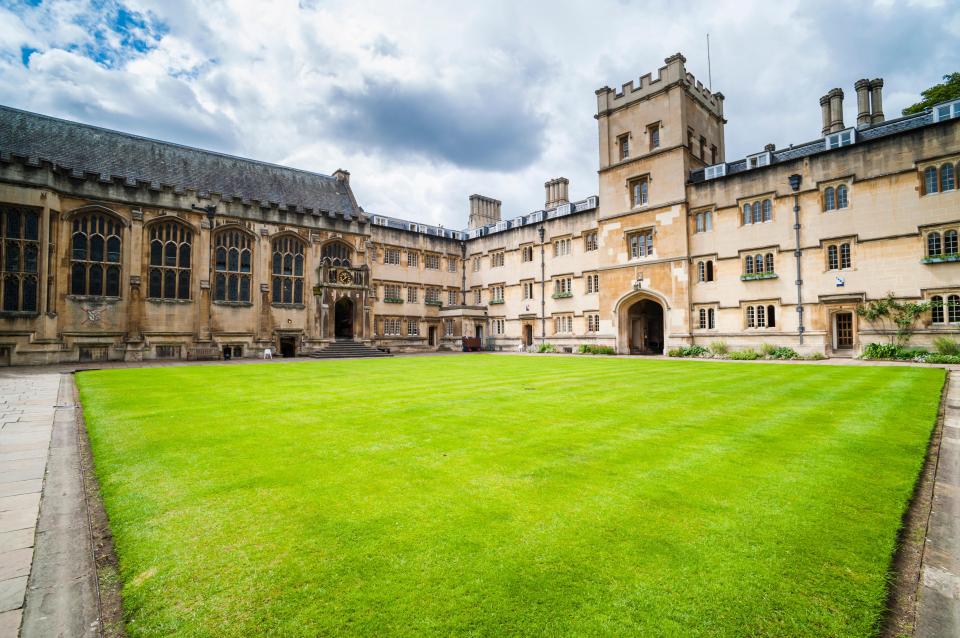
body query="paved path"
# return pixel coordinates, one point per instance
(938, 607)
(26, 426)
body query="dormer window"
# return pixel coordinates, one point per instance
(713, 172)
(759, 159)
(843, 138)
(946, 111)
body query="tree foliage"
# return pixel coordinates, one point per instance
(881, 313)
(948, 90)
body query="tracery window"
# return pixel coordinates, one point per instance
(95, 255)
(20, 248)
(171, 246)
(337, 253)
(287, 266)
(233, 251)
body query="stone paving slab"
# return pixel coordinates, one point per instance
(17, 539)
(10, 622)
(938, 606)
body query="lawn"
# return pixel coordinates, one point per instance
(488, 495)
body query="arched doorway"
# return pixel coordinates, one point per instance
(343, 319)
(644, 327)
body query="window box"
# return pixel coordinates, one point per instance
(494, 302)
(562, 295)
(759, 275)
(939, 259)
(392, 300)
(436, 303)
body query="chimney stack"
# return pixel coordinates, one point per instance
(825, 113)
(836, 110)
(342, 175)
(863, 102)
(483, 211)
(770, 147)
(557, 192)
(876, 101)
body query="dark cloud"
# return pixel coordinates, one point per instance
(483, 127)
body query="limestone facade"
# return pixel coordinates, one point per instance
(122, 248)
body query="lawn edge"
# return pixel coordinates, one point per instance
(105, 557)
(900, 616)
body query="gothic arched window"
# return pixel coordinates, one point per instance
(287, 283)
(233, 256)
(171, 245)
(336, 254)
(20, 247)
(842, 196)
(95, 255)
(829, 198)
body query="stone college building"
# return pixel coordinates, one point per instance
(118, 247)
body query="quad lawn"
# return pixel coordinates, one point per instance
(492, 495)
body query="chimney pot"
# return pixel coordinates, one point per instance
(876, 101)
(863, 102)
(770, 148)
(836, 110)
(825, 113)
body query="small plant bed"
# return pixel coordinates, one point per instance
(946, 351)
(940, 259)
(720, 350)
(591, 349)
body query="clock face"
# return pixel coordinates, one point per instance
(345, 277)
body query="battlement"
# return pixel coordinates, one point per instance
(673, 72)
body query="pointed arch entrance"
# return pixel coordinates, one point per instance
(642, 324)
(343, 318)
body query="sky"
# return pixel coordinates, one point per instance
(426, 103)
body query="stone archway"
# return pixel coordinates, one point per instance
(343, 318)
(642, 320)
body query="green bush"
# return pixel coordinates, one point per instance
(591, 349)
(719, 347)
(767, 349)
(942, 358)
(890, 351)
(688, 351)
(946, 346)
(546, 347)
(744, 355)
(816, 356)
(783, 352)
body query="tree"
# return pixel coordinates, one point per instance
(949, 90)
(902, 315)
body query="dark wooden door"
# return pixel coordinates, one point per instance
(844, 328)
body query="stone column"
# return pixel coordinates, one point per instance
(825, 113)
(204, 266)
(863, 102)
(134, 264)
(876, 101)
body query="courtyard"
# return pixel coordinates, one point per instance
(507, 495)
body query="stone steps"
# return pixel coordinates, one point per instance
(348, 350)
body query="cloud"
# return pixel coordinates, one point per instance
(426, 103)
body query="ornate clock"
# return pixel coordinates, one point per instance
(345, 278)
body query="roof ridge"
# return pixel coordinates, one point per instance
(163, 142)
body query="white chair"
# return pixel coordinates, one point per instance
(267, 353)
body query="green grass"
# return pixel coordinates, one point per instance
(507, 495)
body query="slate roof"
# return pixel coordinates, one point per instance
(884, 129)
(81, 149)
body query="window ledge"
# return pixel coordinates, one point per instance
(236, 304)
(160, 300)
(562, 295)
(99, 299)
(765, 275)
(941, 259)
(392, 300)
(289, 306)
(495, 302)
(438, 304)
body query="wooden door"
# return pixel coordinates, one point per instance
(843, 327)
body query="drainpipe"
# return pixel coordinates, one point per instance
(543, 288)
(795, 180)
(463, 274)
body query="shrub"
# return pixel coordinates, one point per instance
(767, 349)
(891, 351)
(888, 310)
(719, 347)
(744, 355)
(783, 352)
(946, 346)
(942, 358)
(591, 349)
(546, 347)
(816, 356)
(688, 351)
